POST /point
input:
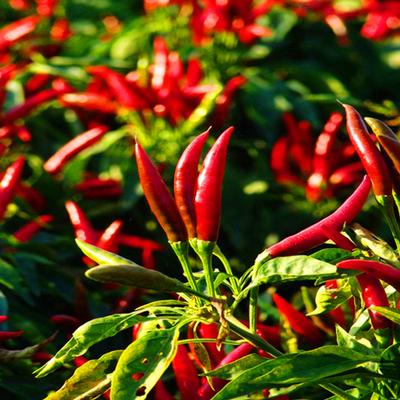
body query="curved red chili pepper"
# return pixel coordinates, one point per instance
(369, 154)
(83, 229)
(161, 393)
(298, 321)
(68, 322)
(138, 242)
(208, 193)
(9, 184)
(56, 162)
(96, 188)
(185, 372)
(36, 83)
(210, 331)
(159, 198)
(313, 235)
(26, 232)
(381, 271)
(374, 295)
(160, 64)
(340, 240)
(90, 101)
(109, 239)
(4, 336)
(185, 177)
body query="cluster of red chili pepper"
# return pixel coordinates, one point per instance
(322, 167)
(210, 16)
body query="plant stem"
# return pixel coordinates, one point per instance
(228, 269)
(386, 204)
(330, 387)
(181, 250)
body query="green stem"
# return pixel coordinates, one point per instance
(330, 387)
(202, 340)
(241, 330)
(205, 251)
(228, 269)
(196, 293)
(181, 250)
(386, 205)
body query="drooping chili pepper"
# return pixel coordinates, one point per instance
(90, 102)
(185, 177)
(138, 242)
(32, 196)
(210, 331)
(24, 109)
(26, 232)
(109, 239)
(369, 154)
(4, 336)
(82, 226)
(340, 240)
(313, 235)
(159, 198)
(298, 321)
(239, 352)
(185, 372)
(96, 188)
(9, 184)
(148, 259)
(347, 174)
(160, 64)
(68, 322)
(207, 200)
(379, 270)
(36, 83)
(161, 393)
(374, 295)
(57, 161)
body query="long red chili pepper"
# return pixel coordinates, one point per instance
(185, 177)
(4, 336)
(138, 242)
(185, 372)
(26, 232)
(298, 321)
(56, 162)
(161, 393)
(210, 331)
(159, 198)
(109, 239)
(340, 240)
(29, 105)
(46, 7)
(313, 235)
(90, 101)
(9, 184)
(36, 83)
(160, 65)
(385, 272)
(83, 229)
(68, 322)
(207, 201)
(370, 156)
(374, 295)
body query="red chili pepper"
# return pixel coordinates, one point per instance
(83, 229)
(239, 352)
(68, 322)
(96, 188)
(369, 154)
(90, 101)
(185, 372)
(56, 162)
(298, 321)
(36, 83)
(161, 393)
(6, 73)
(17, 30)
(20, 5)
(313, 235)
(9, 184)
(340, 240)
(61, 30)
(207, 200)
(29, 105)
(109, 239)
(25, 233)
(381, 271)
(32, 196)
(185, 178)
(348, 174)
(210, 331)
(194, 73)
(160, 64)
(148, 260)
(120, 88)
(159, 198)
(3, 318)
(374, 295)
(138, 242)
(46, 7)
(4, 336)
(250, 33)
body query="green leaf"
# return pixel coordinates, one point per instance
(357, 393)
(327, 300)
(391, 313)
(90, 380)
(292, 268)
(11, 278)
(332, 255)
(306, 367)
(148, 357)
(86, 336)
(346, 340)
(390, 360)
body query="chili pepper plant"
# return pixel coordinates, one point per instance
(214, 329)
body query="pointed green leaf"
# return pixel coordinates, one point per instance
(292, 268)
(90, 380)
(309, 366)
(142, 364)
(346, 340)
(332, 255)
(391, 313)
(327, 300)
(86, 336)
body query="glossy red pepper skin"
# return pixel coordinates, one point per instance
(9, 184)
(208, 192)
(369, 154)
(298, 321)
(4, 336)
(26, 232)
(185, 178)
(159, 198)
(340, 240)
(185, 372)
(83, 229)
(210, 331)
(57, 161)
(381, 271)
(313, 235)
(374, 295)
(109, 239)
